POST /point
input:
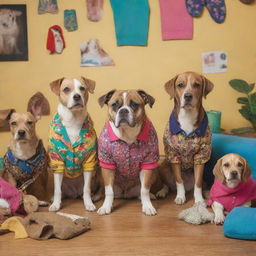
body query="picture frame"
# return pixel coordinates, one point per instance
(13, 32)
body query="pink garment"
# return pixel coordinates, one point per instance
(127, 159)
(232, 197)
(11, 194)
(176, 23)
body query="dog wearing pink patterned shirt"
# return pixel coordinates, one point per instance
(128, 149)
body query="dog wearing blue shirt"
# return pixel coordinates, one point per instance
(187, 137)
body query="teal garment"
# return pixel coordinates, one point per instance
(240, 223)
(1, 163)
(131, 19)
(70, 158)
(70, 21)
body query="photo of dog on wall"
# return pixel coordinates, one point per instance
(13, 33)
(93, 55)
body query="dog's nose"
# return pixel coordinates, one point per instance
(123, 111)
(21, 133)
(234, 174)
(188, 96)
(77, 97)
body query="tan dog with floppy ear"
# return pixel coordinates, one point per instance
(73, 142)
(4, 117)
(26, 161)
(233, 185)
(187, 137)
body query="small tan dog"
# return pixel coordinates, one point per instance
(9, 31)
(233, 186)
(73, 143)
(26, 160)
(128, 149)
(187, 137)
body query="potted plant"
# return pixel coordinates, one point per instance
(248, 103)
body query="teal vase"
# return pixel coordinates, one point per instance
(214, 117)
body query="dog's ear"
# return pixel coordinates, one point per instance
(246, 171)
(207, 86)
(38, 105)
(148, 99)
(170, 86)
(5, 116)
(90, 84)
(217, 171)
(55, 85)
(106, 98)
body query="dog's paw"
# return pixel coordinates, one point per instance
(90, 207)
(104, 210)
(163, 192)
(54, 207)
(219, 219)
(148, 209)
(180, 200)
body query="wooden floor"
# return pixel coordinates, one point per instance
(128, 232)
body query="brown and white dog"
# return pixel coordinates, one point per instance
(73, 96)
(233, 186)
(123, 149)
(187, 135)
(26, 161)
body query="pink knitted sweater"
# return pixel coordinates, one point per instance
(10, 194)
(232, 197)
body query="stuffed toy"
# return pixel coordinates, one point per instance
(197, 214)
(55, 40)
(15, 202)
(45, 225)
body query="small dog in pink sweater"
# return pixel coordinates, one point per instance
(233, 186)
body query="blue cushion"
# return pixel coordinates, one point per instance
(240, 223)
(223, 144)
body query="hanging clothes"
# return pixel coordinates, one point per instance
(176, 23)
(131, 19)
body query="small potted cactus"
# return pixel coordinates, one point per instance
(248, 103)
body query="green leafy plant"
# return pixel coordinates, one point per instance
(248, 103)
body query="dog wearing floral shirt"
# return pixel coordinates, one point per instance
(187, 137)
(73, 142)
(128, 149)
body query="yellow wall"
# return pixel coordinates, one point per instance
(136, 67)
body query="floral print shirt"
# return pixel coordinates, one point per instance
(127, 160)
(72, 159)
(187, 149)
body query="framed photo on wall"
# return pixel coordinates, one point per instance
(13, 32)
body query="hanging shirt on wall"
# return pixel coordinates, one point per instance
(131, 19)
(49, 6)
(176, 23)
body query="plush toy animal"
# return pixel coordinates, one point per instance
(197, 214)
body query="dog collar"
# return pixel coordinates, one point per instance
(174, 127)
